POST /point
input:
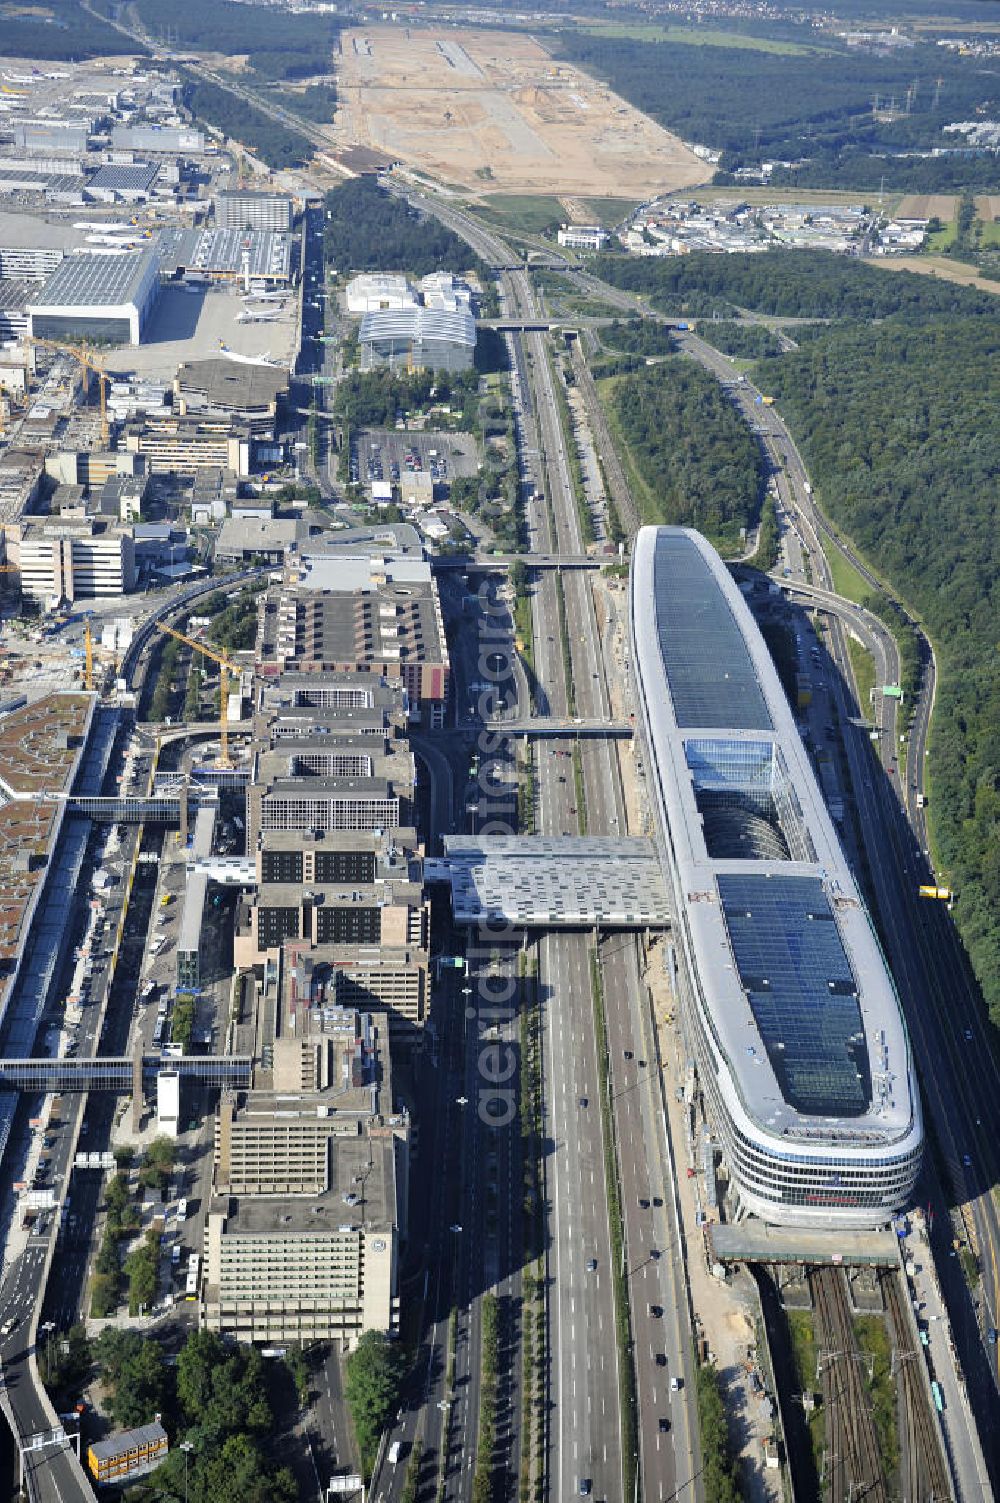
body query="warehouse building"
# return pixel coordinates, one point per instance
(129, 183)
(101, 299)
(418, 339)
(245, 209)
(171, 140)
(66, 136)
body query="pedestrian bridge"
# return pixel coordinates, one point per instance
(550, 725)
(119, 1073)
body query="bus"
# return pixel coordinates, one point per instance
(193, 1270)
(938, 1397)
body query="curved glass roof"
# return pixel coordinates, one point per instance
(709, 669)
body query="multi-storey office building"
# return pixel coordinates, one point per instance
(788, 1006)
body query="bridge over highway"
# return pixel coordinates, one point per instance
(549, 725)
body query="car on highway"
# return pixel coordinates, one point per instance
(584, 1101)
(661, 1361)
(664, 1424)
(968, 1035)
(967, 1160)
(584, 1488)
(643, 1203)
(591, 1265)
(676, 1384)
(656, 1311)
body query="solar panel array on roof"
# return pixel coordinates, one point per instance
(708, 666)
(801, 989)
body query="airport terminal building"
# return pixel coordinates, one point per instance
(789, 1012)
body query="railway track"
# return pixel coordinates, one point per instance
(853, 1464)
(925, 1475)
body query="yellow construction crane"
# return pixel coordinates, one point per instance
(88, 361)
(225, 669)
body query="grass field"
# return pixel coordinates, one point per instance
(846, 579)
(863, 667)
(942, 238)
(609, 211)
(700, 36)
(528, 213)
(989, 235)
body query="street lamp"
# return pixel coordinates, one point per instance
(187, 1446)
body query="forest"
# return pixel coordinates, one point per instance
(638, 336)
(899, 426)
(745, 341)
(307, 42)
(273, 142)
(63, 32)
(790, 284)
(368, 229)
(758, 105)
(695, 458)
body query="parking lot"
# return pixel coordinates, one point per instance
(387, 454)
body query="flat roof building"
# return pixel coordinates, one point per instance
(103, 299)
(375, 290)
(75, 559)
(237, 388)
(359, 612)
(182, 446)
(225, 255)
(787, 1005)
(246, 209)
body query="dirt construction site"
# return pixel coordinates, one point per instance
(491, 111)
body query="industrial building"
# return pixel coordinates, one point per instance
(14, 300)
(418, 339)
(52, 135)
(244, 209)
(101, 299)
(788, 1010)
(29, 263)
(129, 183)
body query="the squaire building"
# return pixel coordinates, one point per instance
(787, 1004)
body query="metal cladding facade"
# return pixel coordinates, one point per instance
(787, 1004)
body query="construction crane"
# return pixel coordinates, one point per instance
(88, 361)
(88, 664)
(225, 669)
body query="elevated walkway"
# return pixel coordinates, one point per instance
(756, 1242)
(549, 725)
(499, 563)
(118, 1073)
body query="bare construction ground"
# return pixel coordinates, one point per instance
(928, 205)
(491, 111)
